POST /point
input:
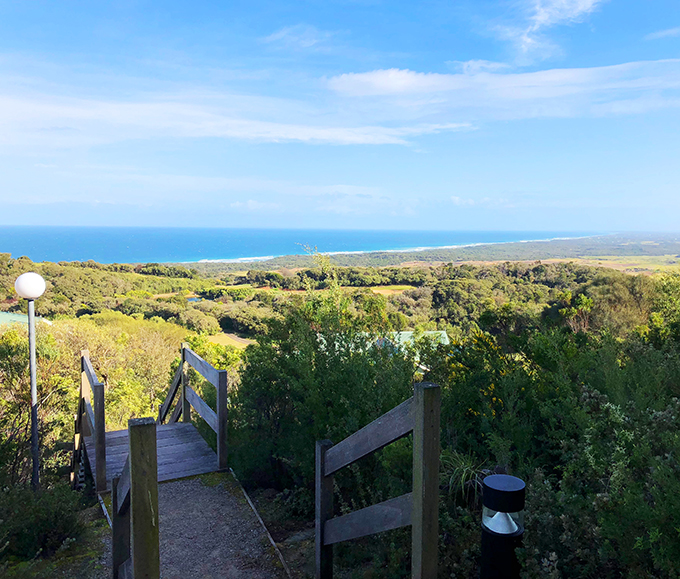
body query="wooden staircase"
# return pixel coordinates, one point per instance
(130, 463)
(181, 450)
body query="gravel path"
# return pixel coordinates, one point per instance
(208, 531)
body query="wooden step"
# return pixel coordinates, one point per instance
(182, 452)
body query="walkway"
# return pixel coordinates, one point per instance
(182, 452)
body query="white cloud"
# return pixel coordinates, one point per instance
(670, 32)
(474, 66)
(300, 36)
(69, 122)
(570, 92)
(528, 32)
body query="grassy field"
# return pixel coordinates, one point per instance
(230, 340)
(389, 290)
(626, 263)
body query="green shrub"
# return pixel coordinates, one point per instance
(37, 524)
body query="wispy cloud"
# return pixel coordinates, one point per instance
(300, 37)
(570, 92)
(70, 122)
(669, 32)
(475, 66)
(535, 17)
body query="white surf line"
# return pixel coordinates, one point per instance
(406, 250)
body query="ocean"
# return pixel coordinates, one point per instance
(170, 244)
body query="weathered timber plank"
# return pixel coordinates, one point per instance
(186, 407)
(175, 470)
(120, 532)
(186, 468)
(222, 447)
(206, 413)
(123, 490)
(89, 412)
(323, 507)
(163, 430)
(144, 533)
(100, 435)
(174, 386)
(425, 530)
(176, 413)
(391, 426)
(201, 366)
(125, 570)
(120, 445)
(89, 371)
(164, 447)
(384, 516)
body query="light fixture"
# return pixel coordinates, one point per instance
(31, 286)
(503, 499)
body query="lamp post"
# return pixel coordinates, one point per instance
(502, 525)
(31, 286)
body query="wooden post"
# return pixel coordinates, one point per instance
(324, 511)
(100, 435)
(222, 447)
(84, 392)
(424, 530)
(145, 550)
(120, 531)
(186, 407)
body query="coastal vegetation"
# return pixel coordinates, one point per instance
(565, 375)
(643, 252)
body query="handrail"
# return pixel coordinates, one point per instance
(89, 370)
(122, 490)
(391, 426)
(90, 421)
(210, 373)
(216, 419)
(134, 495)
(419, 508)
(204, 411)
(174, 386)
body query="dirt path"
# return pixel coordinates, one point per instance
(208, 531)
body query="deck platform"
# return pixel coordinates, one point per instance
(182, 452)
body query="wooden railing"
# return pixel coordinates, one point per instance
(188, 398)
(90, 421)
(134, 496)
(419, 508)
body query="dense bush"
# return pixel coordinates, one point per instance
(37, 524)
(316, 374)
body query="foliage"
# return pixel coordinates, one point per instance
(33, 525)
(316, 374)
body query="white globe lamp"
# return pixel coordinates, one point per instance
(31, 286)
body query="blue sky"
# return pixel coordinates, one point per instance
(518, 115)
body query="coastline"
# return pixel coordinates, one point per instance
(256, 259)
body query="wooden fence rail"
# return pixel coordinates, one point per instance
(418, 508)
(90, 421)
(189, 398)
(134, 497)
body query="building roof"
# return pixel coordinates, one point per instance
(407, 338)
(7, 318)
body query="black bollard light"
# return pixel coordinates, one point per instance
(502, 526)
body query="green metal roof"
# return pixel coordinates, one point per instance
(7, 318)
(404, 338)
